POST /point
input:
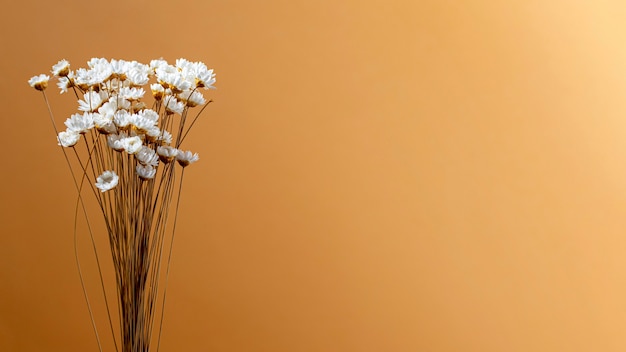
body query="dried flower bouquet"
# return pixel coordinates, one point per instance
(127, 159)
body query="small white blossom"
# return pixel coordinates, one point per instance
(132, 145)
(164, 69)
(68, 138)
(95, 62)
(192, 98)
(115, 141)
(158, 92)
(65, 83)
(175, 81)
(147, 156)
(186, 158)
(205, 79)
(131, 93)
(101, 70)
(173, 106)
(39, 82)
(79, 123)
(101, 120)
(149, 114)
(119, 68)
(88, 79)
(114, 104)
(61, 69)
(92, 101)
(141, 123)
(167, 153)
(104, 123)
(155, 64)
(107, 181)
(138, 74)
(145, 172)
(183, 64)
(165, 137)
(108, 109)
(122, 118)
(153, 133)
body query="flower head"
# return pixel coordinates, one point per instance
(92, 101)
(158, 92)
(205, 79)
(122, 118)
(39, 82)
(104, 123)
(192, 98)
(166, 153)
(65, 83)
(61, 69)
(107, 181)
(165, 137)
(147, 156)
(68, 138)
(115, 141)
(131, 93)
(186, 158)
(132, 145)
(145, 172)
(173, 106)
(80, 123)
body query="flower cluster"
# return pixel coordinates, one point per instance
(111, 106)
(126, 134)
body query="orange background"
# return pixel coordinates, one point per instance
(374, 175)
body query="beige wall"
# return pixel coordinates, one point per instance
(375, 175)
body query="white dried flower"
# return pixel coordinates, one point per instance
(92, 101)
(155, 64)
(89, 79)
(141, 123)
(153, 134)
(95, 62)
(149, 114)
(122, 118)
(80, 123)
(39, 82)
(119, 68)
(145, 172)
(173, 106)
(104, 123)
(192, 98)
(176, 81)
(68, 138)
(101, 120)
(107, 181)
(132, 145)
(114, 104)
(166, 153)
(101, 70)
(186, 158)
(131, 93)
(138, 74)
(205, 79)
(183, 64)
(61, 69)
(115, 141)
(65, 83)
(165, 137)
(147, 156)
(108, 109)
(158, 92)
